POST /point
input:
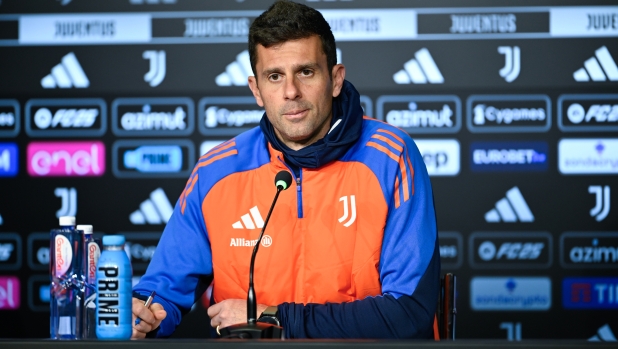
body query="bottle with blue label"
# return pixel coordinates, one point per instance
(91, 254)
(114, 299)
(66, 298)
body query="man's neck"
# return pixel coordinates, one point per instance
(319, 134)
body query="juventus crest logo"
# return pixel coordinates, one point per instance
(348, 201)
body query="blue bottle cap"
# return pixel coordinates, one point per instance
(113, 240)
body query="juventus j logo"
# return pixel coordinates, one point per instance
(156, 74)
(601, 209)
(69, 201)
(510, 71)
(345, 210)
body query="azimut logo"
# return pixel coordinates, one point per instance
(419, 70)
(152, 116)
(65, 159)
(589, 250)
(510, 293)
(594, 113)
(441, 156)
(510, 250)
(509, 156)
(511, 68)
(67, 74)
(421, 114)
(154, 210)
(71, 117)
(156, 73)
(8, 160)
(592, 67)
(511, 209)
(237, 72)
(590, 293)
(588, 156)
(509, 113)
(228, 116)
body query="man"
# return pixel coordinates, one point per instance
(352, 248)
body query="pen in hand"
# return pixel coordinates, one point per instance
(147, 305)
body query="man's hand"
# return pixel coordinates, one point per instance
(150, 318)
(231, 312)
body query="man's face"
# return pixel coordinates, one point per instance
(295, 88)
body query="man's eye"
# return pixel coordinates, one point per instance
(306, 72)
(274, 77)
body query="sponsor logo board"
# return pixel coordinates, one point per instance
(590, 293)
(600, 67)
(38, 251)
(39, 293)
(441, 156)
(508, 113)
(9, 117)
(583, 21)
(451, 250)
(509, 156)
(421, 69)
(510, 293)
(579, 156)
(140, 247)
(510, 209)
(371, 24)
(70, 117)
(421, 114)
(154, 158)
(228, 116)
(8, 160)
(505, 250)
(589, 250)
(588, 113)
(10, 251)
(160, 116)
(9, 293)
(66, 159)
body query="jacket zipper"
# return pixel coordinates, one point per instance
(299, 190)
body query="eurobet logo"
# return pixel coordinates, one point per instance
(441, 156)
(510, 293)
(8, 160)
(9, 293)
(66, 159)
(508, 156)
(588, 156)
(590, 293)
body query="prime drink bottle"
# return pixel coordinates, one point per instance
(114, 290)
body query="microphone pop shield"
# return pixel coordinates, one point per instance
(283, 179)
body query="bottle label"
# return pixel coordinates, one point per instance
(63, 255)
(94, 252)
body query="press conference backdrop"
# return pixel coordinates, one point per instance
(105, 107)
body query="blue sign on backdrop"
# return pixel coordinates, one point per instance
(8, 160)
(590, 293)
(508, 156)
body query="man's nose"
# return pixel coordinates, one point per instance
(291, 88)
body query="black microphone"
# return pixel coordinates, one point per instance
(254, 329)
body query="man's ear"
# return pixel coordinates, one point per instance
(338, 75)
(255, 90)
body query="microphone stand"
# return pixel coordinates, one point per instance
(254, 329)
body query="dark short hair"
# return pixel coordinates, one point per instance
(285, 21)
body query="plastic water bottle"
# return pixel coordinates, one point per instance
(66, 299)
(114, 290)
(89, 277)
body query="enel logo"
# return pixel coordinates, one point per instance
(63, 159)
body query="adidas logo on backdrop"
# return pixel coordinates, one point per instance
(419, 70)
(510, 209)
(67, 74)
(592, 69)
(155, 210)
(604, 334)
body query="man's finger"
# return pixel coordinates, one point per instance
(214, 309)
(144, 313)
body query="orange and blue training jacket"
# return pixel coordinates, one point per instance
(350, 251)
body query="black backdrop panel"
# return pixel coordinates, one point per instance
(513, 105)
